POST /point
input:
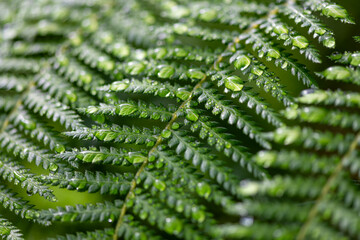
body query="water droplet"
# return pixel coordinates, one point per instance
(160, 185)
(134, 68)
(121, 50)
(166, 71)
(335, 11)
(247, 221)
(105, 64)
(166, 133)
(196, 74)
(306, 92)
(281, 29)
(208, 15)
(85, 77)
(337, 73)
(59, 148)
(143, 215)
(329, 42)
(53, 167)
(300, 42)
(203, 189)
(179, 206)
(135, 157)
(191, 115)
(173, 226)
(198, 214)
(234, 83)
(119, 85)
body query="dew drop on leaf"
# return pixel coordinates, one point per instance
(166, 133)
(166, 72)
(59, 148)
(247, 221)
(173, 226)
(180, 28)
(208, 15)
(337, 73)
(300, 42)
(53, 167)
(85, 77)
(234, 83)
(160, 53)
(355, 59)
(179, 206)
(273, 54)
(31, 214)
(335, 11)
(143, 215)
(106, 65)
(71, 96)
(180, 52)
(197, 214)
(119, 85)
(196, 74)
(329, 42)
(126, 109)
(28, 124)
(175, 126)
(135, 157)
(281, 29)
(160, 185)
(121, 50)
(182, 94)
(191, 115)
(307, 91)
(203, 189)
(135, 68)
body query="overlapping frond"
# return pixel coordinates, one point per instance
(314, 192)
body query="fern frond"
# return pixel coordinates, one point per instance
(107, 183)
(303, 17)
(19, 65)
(9, 231)
(83, 213)
(227, 112)
(39, 103)
(8, 102)
(105, 234)
(113, 156)
(148, 86)
(210, 152)
(36, 129)
(182, 174)
(331, 197)
(16, 173)
(11, 82)
(13, 143)
(133, 109)
(17, 204)
(116, 133)
(201, 158)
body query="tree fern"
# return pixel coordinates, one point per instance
(179, 120)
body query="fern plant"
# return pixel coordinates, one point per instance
(179, 118)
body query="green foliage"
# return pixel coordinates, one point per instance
(178, 120)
